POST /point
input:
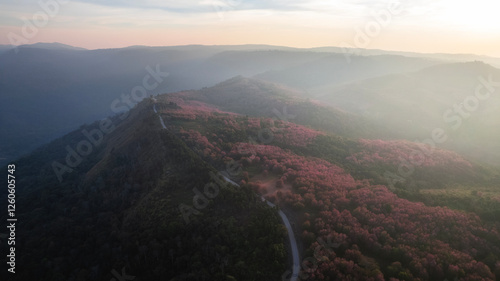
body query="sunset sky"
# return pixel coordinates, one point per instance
(422, 25)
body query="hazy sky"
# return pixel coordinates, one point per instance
(422, 25)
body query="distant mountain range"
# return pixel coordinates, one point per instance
(48, 89)
(461, 98)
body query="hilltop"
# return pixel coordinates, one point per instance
(126, 193)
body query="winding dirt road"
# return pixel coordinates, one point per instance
(284, 218)
(161, 119)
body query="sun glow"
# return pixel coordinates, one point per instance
(472, 16)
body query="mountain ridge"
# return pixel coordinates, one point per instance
(144, 199)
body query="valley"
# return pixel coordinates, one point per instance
(249, 179)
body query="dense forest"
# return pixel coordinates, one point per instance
(152, 202)
(118, 210)
(354, 193)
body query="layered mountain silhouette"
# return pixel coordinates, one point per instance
(125, 196)
(50, 89)
(460, 98)
(179, 163)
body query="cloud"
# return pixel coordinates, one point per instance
(186, 6)
(192, 6)
(202, 6)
